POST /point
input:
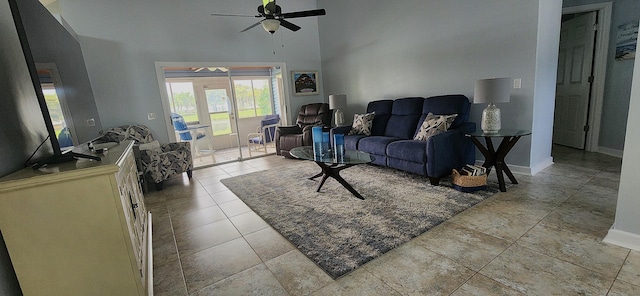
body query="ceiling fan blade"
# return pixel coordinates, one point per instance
(289, 25)
(251, 27)
(226, 14)
(303, 13)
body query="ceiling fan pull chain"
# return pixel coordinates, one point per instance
(273, 44)
(282, 39)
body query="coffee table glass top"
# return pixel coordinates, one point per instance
(505, 132)
(350, 156)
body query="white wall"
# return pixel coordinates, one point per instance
(423, 48)
(121, 40)
(548, 41)
(626, 228)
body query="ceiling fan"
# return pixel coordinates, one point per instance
(273, 17)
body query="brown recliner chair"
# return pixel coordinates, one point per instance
(289, 137)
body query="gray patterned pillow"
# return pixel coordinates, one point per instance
(362, 124)
(433, 125)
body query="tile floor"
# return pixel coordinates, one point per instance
(542, 237)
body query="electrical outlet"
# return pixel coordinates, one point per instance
(517, 83)
(91, 122)
(151, 116)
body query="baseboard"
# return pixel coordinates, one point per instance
(623, 239)
(610, 151)
(541, 166)
(516, 169)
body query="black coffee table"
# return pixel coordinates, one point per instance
(331, 166)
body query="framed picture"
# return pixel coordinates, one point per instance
(626, 41)
(305, 83)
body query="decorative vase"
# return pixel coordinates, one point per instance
(339, 117)
(491, 119)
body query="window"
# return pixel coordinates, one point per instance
(253, 97)
(183, 100)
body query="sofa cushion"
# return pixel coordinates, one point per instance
(351, 141)
(362, 124)
(375, 144)
(382, 108)
(405, 115)
(410, 150)
(433, 125)
(449, 104)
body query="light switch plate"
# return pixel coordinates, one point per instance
(91, 122)
(517, 83)
(151, 116)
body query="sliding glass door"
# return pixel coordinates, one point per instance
(229, 101)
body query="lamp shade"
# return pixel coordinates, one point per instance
(493, 90)
(337, 102)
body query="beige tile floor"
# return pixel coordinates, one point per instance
(542, 237)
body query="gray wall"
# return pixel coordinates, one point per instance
(619, 74)
(21, 130)
(122, 39)
(51, 43)
(425, 48)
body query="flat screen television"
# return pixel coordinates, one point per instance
(45, 41)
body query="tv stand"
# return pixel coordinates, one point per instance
(79, 228)
(65, 157)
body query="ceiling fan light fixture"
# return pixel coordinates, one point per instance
(271, 25)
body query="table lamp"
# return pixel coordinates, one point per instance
(493, 90)
(338, 103)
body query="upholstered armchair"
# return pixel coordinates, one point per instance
(155, 161)
(289, 137)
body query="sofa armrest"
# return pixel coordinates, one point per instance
(177, 146)
(338, 130)
(341, 130)
(288, 130)
(449, 150)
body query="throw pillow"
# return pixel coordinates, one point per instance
(433, 125)
(362, 124)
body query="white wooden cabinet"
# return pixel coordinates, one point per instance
(79, 228)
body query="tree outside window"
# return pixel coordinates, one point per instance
(252, 97)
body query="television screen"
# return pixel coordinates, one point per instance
(59, 76)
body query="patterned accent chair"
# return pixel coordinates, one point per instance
(289, 137)
(157, 163)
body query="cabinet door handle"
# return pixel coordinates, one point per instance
(133, 207)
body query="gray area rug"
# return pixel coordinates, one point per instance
(335, 229)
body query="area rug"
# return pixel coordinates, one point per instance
(335, 229)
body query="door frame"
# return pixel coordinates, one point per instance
(284, 102)
(601, 46)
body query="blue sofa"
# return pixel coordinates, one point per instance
(397, 121)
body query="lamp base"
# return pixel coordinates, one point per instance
(339, 117)
(491, 119)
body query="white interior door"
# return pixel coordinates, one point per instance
(573, 83)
